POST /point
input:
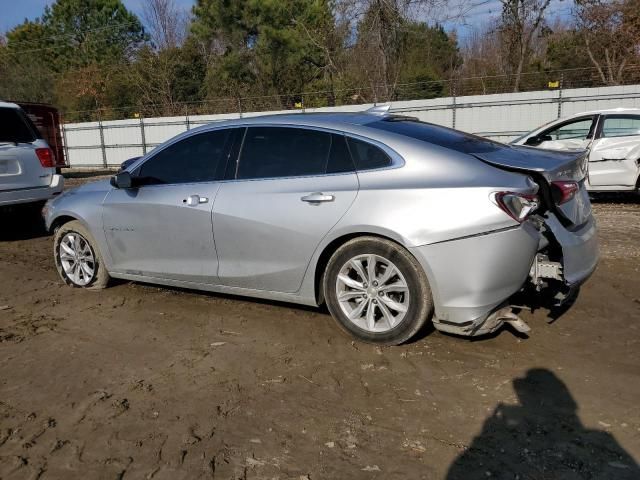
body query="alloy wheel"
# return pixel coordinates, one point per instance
(77, 259)
(372, 293)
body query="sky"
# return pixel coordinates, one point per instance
(13, 12)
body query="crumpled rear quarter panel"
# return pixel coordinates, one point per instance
(471, 276)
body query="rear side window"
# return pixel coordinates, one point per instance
(339, 158)
(621, 126)
(197, 158)
(271, 152)
(14, 127)
(437, 135)
(367, 156)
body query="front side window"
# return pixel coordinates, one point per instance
(197, 158)
(575, 130)
(621, 126)
(271, 152)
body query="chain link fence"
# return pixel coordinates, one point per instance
(480, 105)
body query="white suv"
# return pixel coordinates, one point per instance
(27, 164)
(612, 138)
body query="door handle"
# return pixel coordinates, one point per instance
(194, 200)
(317, 197)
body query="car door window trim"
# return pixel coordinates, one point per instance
(396, 159)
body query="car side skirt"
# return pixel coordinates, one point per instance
(244, 292)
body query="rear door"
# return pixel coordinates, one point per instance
(163, 227)
(615, 156)
(19, 164)
(290, 186)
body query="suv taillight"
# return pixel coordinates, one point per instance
(45, 155)
(517, 205)
(563, 191)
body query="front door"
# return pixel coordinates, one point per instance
(290, 187)
(163, 227)
(575, 134)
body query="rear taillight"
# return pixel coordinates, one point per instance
(517, 205)
(45, 155)
(563, 191)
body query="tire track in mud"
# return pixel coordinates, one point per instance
(145, 382)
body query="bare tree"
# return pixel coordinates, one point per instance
(483, 62)
(382, 29)
(167, 23)
(522, 20)
(611, 33)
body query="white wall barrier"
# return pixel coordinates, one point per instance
(501, 117)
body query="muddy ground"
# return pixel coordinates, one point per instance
(145, 382)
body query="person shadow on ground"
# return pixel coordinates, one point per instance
(542, 438)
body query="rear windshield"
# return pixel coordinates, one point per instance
(438, 135)
(15, 126)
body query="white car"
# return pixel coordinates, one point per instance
(27, 164)
(612, 138)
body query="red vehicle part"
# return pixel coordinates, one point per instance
(47, 119)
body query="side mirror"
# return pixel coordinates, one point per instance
(533, 141)
(124, 165)
(122, 180)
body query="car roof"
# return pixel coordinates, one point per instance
(8, 105)
(330, 120)
(606, 112)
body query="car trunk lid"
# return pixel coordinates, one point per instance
(546, 167)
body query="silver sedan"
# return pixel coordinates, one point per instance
(389, 221)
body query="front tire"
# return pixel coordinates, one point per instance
(77, 257)
(377, 291)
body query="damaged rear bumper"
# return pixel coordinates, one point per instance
(473, 279)
(579, 249)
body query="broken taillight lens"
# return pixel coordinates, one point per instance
(517, 205)
(563, 191)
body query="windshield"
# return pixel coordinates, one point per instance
(437, 135)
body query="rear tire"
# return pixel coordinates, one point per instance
(377, 291)
(77, 257)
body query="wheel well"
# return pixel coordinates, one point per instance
(61, 220)
(328, 252)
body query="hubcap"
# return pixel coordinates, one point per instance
(76, 258)
(372, 293)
